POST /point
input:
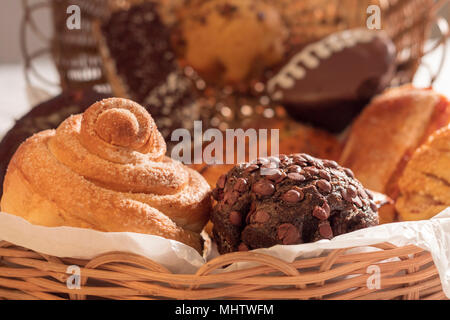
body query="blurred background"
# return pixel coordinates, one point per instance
(10, 17)
(16, 96)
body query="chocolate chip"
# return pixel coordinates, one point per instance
(274, 159)
(243, 247)
(251, 168)
(294, 168)
(221, 181)
(296, 176)
(264, 188)
(299, 157)
(330, 164)
(261, 216)
(351, 192)
(362, 193)
(311, 170)
(373, 206)
(288, 233)
(325, 230)
(273, 174)
(365, 203)
(227, 10)
(293, 196)
(241, 185)
(235, 218)
(349, 173)
(320, 213)
(324, 185)
(300, 162)
(357, 201)
(270, 165)
(348, 194)
(231, 197)
(323, 212)
(261, 16)
(324, 175)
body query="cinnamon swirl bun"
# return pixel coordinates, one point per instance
(106, 169)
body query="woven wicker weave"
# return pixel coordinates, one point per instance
(406, 273)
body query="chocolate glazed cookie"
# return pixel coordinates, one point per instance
(288, 200)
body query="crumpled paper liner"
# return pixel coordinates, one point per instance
(431, 235)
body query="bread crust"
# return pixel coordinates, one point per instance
(387, 129)
(59, 178)
(425, 184)
(386, 135)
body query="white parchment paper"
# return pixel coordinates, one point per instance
(432, 235)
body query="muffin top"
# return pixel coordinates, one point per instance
(288, 200)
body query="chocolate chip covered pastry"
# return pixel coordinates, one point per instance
(106, 169)
(288, 200)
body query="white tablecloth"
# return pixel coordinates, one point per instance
(14, 100)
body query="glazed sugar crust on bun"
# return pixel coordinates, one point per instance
(46, 115)
(300, 200)
(106, 169)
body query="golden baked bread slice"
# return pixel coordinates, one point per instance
(386, 134)
(425, 184)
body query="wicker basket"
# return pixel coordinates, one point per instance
(79, 65)
(406, 273)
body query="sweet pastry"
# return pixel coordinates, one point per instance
(288, 200)
(232, 40)
(106, 169)
(385, 136)
(46, 115)
(328, 82)
(424, 186)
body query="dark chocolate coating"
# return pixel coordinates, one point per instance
(305, 199)
(332, 94)
(47, 115)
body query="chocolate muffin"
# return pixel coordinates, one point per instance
(47, 115)
(288, 200)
